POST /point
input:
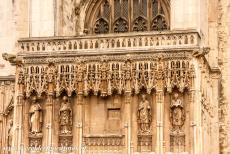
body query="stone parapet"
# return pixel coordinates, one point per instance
(113, 42)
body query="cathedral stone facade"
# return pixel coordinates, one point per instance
(115, 77)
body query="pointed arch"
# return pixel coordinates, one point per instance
(121, 16)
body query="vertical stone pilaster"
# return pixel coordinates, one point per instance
(18, 125)
(197, 125)
(160, 121)
(49, 113)
(49, 122)
(17, 138)
(128, 130)
(215, 120)
(197, 109)
(3, 129)
(79, 124)
(191, 115)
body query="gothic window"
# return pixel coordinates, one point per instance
(119, 16)
(102, 23)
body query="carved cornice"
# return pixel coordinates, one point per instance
(67, 57)
(7, 78)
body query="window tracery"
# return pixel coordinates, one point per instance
(101, 26)
(121, 25)
(118, 16)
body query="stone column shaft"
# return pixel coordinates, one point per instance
(18, 126)
(128, 131)
(49, 122)
(160, 121)
(192, 124)
(79, 123)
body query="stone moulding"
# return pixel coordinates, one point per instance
(104, 140)
(46, 58)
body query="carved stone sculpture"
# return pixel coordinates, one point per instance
(177, 114)
(9, 57)
(10, 133)
(128, 75)
(65, 116)
(144, 115)
(35, 120)
(104, 69)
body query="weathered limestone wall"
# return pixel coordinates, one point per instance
(42, 18)
(6, 111)
(212, 36)
(14, 23)
(185, 14)
(7, 35)
(224, 56)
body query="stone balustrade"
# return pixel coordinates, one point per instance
(131, 41)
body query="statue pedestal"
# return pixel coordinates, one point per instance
(35, 142)
(144, 143)
(177, 141)
(65, 142)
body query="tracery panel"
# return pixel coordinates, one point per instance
(121, 16)
(103, 19)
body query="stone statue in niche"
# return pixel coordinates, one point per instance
(128, 76)
(65, 116)
(10, 133)
(177, 114)
(35, 120)
(144, 115)
(177, 117)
